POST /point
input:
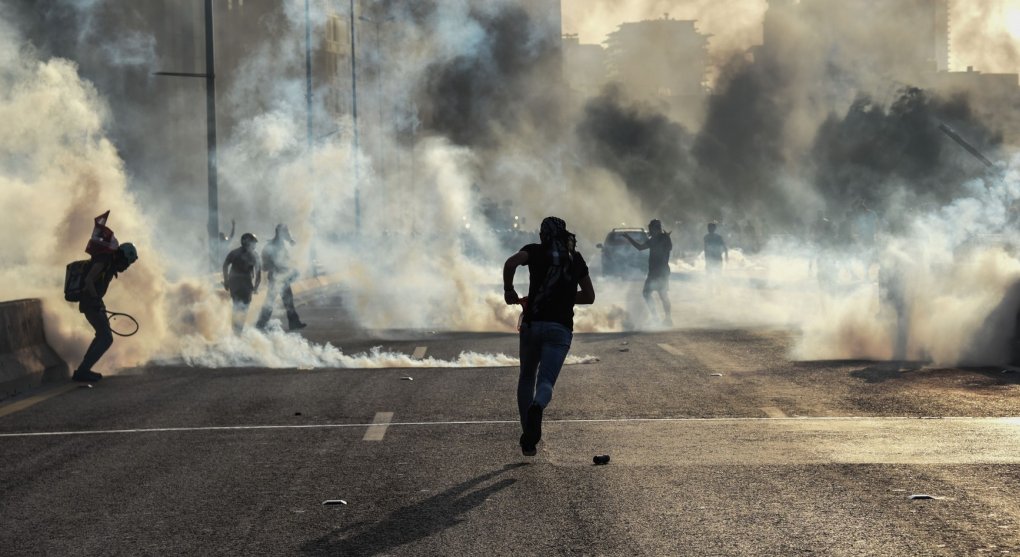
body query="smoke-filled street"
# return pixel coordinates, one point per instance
(719, 445)
(526, 277)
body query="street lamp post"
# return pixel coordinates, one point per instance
(210, 119)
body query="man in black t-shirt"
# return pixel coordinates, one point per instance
(556, 271)
(658, 245)
(103, 268)
(242, 274)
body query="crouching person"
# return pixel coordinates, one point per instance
(102, 269)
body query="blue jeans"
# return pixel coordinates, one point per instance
(544, 347)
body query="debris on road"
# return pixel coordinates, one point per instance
(297, 413)
(407, 378)
(329, 502)
(84, 386)
(923, 496)
(716, 375)
(1008, 371)
(625, 343)
(600, 459)
(625, 350)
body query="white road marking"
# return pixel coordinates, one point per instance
(1010, 421)
(773, 412)
(671, 349)
(419, 353)
(377, 430)
(19, 405)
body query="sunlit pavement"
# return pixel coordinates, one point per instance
(719, 445)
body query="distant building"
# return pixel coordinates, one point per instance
(662, 61)
(584, 66)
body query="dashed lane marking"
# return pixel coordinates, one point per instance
(19, 405)
(377, 430)
(419, 353)
(671, 349)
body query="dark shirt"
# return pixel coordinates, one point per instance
(714, 247)
(106, 274)
(242, 262)
(560, 307)
(659, 247)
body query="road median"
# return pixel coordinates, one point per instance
(26, 359)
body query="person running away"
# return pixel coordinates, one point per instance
(556, 271)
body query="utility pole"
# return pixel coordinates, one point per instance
(210, 126)
(354, 115)
(210, 118)
(308, 74)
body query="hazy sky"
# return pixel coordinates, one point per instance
(985, 33)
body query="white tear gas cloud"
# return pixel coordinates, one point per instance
(277, 349)
(455, 115)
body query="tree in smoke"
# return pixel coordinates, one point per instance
(875, 150)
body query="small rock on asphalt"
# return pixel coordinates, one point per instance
(334, 502)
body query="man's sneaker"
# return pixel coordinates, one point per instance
(532, 426)
(297, 325)
(526, 449)
(86, 376)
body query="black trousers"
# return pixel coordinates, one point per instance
(103, 340)
(287, 295)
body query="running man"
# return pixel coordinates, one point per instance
(242, 275)
(556, 271)
(715, 251)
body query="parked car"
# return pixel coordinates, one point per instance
(619, 258)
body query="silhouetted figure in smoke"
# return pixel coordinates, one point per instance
(894, 297)
(223, 243)
(242, 275)
(658, 245)
(102, 269)
(823, 236)
(276, 262)
(715, 251)
(556, 271)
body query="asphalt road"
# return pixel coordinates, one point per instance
(720, 445)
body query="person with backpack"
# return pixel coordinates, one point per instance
(102, 268)
(276, 262)
(556, 271)
(659, 245)
(242, 275)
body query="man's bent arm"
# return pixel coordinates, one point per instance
(509, 269)
(586, 295)
(226, 266)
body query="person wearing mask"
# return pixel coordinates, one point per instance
(558, 279)
(276, 262)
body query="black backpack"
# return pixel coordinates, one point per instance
(74, 279)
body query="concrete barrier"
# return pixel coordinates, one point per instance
(26, 360)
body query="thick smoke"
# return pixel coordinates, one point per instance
(462, 110)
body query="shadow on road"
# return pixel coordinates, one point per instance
(413, 522)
